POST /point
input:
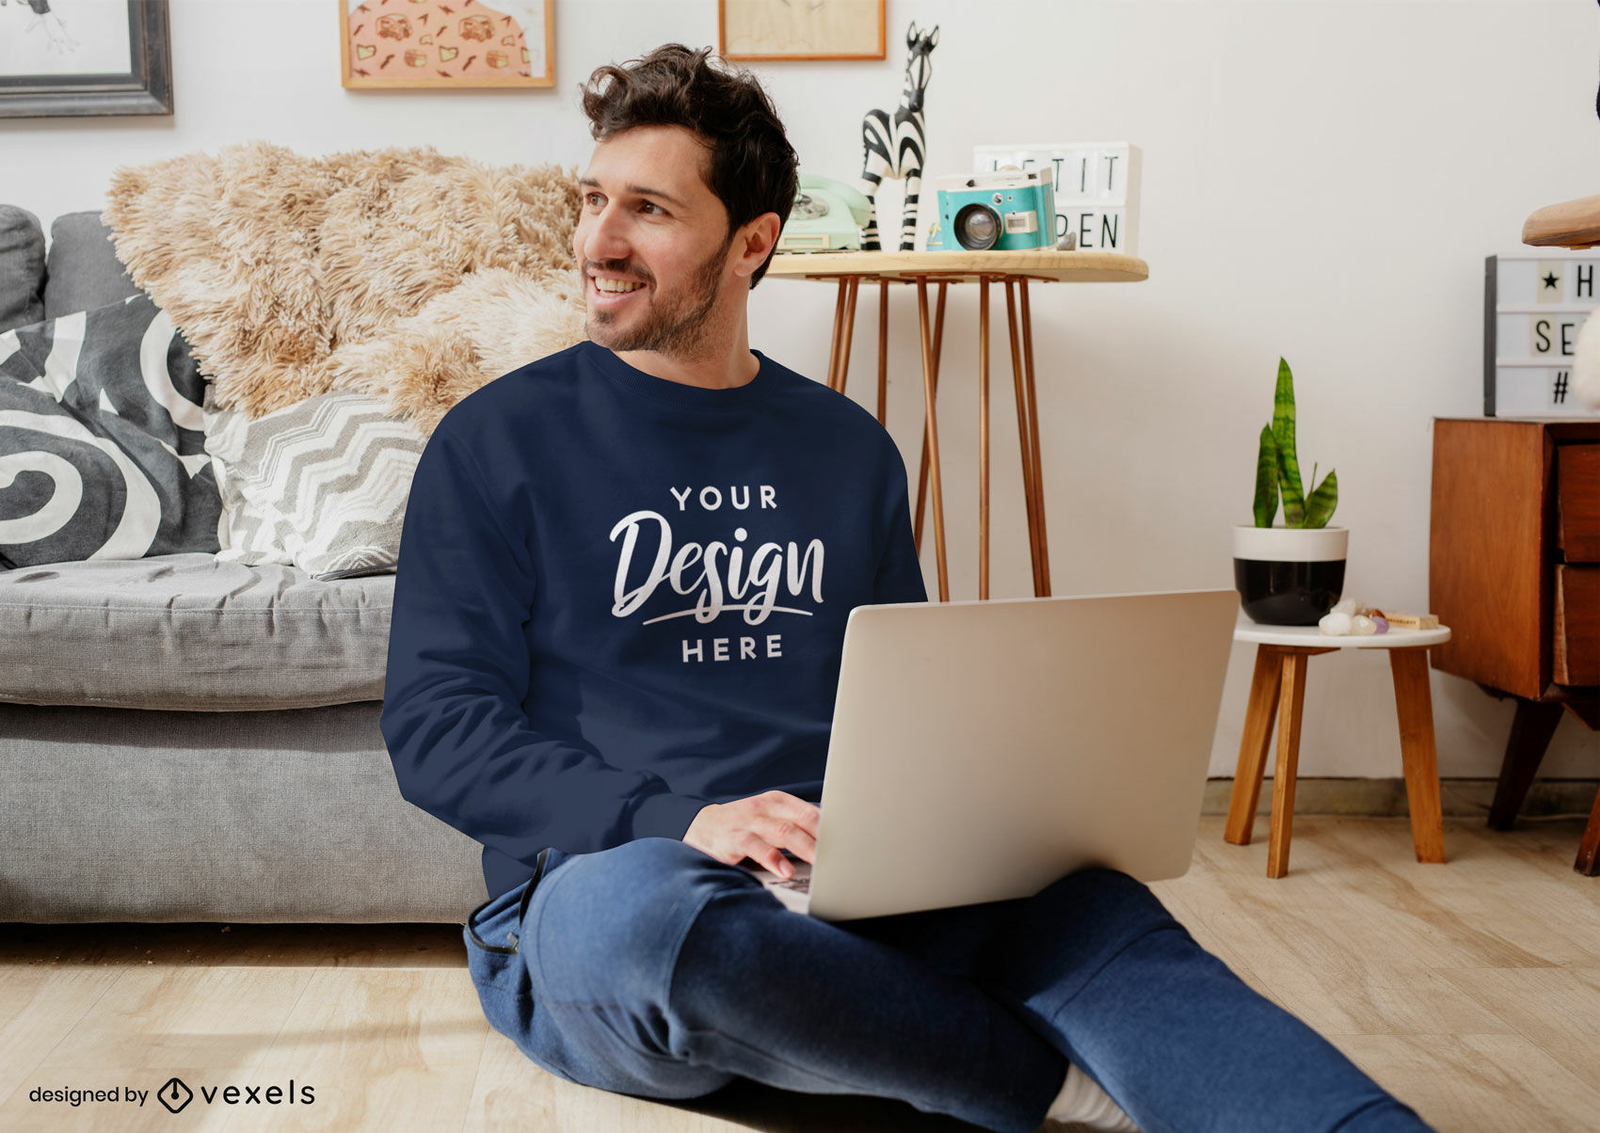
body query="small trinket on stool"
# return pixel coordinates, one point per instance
(1336, 624)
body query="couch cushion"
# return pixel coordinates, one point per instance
(21, 268)
(185, 631)
(322, 484)
(102, 443)
(83, 271)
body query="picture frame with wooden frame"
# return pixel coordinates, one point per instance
(446, 44)
(99, 66)
(822, 29)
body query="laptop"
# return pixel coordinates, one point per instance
(982, 749)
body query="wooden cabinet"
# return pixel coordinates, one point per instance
(1575, 639)
(1514, 571)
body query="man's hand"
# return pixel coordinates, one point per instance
(760, 828)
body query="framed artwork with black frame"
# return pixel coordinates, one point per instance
(815, 29)
(97, 58)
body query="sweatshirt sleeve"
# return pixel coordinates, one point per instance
(459, 672)
(899, 577)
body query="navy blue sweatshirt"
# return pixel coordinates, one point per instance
(620, 598)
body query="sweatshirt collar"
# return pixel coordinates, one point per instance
(677, 393)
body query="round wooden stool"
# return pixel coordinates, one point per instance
(1279, 684)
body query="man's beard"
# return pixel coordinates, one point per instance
(677, 331)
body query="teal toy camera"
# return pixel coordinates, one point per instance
(1009, 210)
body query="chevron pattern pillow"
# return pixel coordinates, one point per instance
(102, 452)
(321, 484)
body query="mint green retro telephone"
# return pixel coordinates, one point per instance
(827, 216)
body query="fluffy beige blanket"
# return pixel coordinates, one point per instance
(404, 273)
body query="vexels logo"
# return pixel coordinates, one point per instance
(175, 1095)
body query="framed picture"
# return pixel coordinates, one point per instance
(447, 44)
(814, 29)
(64, 58)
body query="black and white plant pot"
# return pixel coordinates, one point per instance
(1289, 576)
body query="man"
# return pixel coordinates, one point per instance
(624, 580)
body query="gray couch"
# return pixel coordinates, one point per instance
(183, 739)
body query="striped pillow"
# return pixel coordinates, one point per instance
(321, 484)
(102, 454)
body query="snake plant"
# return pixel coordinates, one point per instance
(1278, 469)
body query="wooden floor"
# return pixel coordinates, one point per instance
(1470, 989)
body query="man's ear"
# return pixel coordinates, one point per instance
(756, 241)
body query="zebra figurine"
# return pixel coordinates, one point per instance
(896, 148)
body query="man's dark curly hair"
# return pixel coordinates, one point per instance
(753, 168)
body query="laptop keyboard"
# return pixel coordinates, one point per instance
(799, 884)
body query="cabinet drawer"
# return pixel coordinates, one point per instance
(1578, 502)
(1577, 626)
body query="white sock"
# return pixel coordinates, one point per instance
(1083, 1101)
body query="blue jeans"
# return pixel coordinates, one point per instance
(654, 970)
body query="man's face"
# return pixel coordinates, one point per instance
(651, 223)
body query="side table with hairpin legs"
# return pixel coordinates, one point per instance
(1015, 270)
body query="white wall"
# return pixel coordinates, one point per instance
(1322, 180)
